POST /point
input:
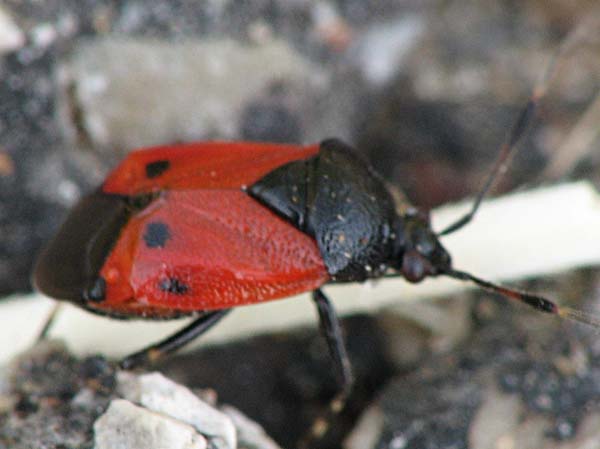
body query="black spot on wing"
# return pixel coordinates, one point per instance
(156, 234)
(156, 168)
(173, 285)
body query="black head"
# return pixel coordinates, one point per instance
(423, 255)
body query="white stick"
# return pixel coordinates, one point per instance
(521, 235)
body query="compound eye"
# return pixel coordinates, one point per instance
(415, 267)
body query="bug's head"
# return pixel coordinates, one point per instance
(423, 253)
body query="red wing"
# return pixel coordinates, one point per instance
(207, 165)
(207, 249)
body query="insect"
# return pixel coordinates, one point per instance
(198, 229)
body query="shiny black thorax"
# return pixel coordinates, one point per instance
(337, 198)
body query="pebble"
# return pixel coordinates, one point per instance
(174, 92)
(126, 425)
(250, 434)
(161, 395)
(11, 36)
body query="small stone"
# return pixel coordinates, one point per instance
(125, 425)
(43, 35)
(11, 36)
(367, 431)
(250, 434)
(193, 89)
(161, 395)
(382, 49)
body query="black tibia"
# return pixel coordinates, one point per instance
(331, 329)
(174, 342)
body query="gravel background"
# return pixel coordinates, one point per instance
(426, 90)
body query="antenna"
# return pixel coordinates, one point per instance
(537, 302)
(508, 148)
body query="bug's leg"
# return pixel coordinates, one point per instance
(172, 343)
(519, 129)
(332, 331)
(43, 334)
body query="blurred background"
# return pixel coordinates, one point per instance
(426, 90)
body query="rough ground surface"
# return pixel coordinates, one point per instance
(426, 90)
(518, 381)
(49, 399)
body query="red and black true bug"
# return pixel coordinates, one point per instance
(198, 229)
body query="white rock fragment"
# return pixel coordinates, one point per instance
(11, 36)
(367, 430)
(380, 51)
(43, 35)
(250, 434)
(125, 426)
(140, 92)
(161, 395)
(499, 416)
